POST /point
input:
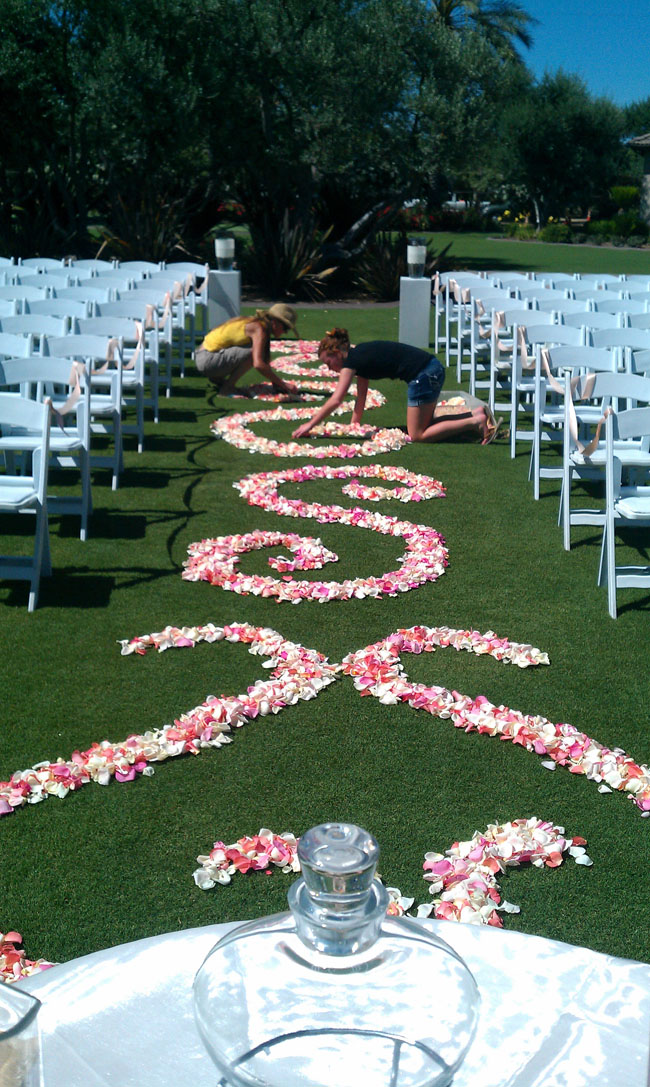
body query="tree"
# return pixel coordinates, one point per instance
(501, 22)
(561, 147)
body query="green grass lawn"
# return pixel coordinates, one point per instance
(111, 864)
(480, 252)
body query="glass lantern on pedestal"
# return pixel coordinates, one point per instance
(335, 992)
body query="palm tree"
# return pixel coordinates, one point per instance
(500, 21)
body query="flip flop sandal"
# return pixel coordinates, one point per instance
(493, 431)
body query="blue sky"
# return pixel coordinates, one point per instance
(606, 44)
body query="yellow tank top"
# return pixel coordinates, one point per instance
(230, 334)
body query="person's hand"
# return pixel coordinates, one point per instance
(290, 388)
(301, 431)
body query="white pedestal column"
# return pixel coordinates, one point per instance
(224, 297)
(415, 311)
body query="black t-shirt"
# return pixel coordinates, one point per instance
(384, 358)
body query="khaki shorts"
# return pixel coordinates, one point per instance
(218, 365)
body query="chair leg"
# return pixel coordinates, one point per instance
(86, 494)
(139, 404)
(41, 563)
(611, 571)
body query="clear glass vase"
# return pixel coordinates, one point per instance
(335, 992)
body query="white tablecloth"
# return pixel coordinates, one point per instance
(552, 1015)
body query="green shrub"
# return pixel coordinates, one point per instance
(618, 240)
(580, 238)
(556, 232)
(377, 270)
(625, 196)
(637, 241)
(597, 239)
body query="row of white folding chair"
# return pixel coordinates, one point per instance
(625, 505)
(37, 326)
(137, 310)
(20, 421)
(68, 387)
(449, 299)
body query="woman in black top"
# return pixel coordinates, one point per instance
(382, 359)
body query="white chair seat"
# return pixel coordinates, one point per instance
(635, 506)
(17, 493)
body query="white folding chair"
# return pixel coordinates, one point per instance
(549, 399)
(131, 333)
(66, 385)
(161, 302)
(511, 370)
(584, 457)
(153, 324)
(197, 299)
(105, 373)
(20, 419)
(625, 506)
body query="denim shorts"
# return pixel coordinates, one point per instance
(425, 388)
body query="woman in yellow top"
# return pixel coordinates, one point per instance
(233, 348)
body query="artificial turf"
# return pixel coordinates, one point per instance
(111, 864)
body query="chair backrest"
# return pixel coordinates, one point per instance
(124, 327)
(640, 320)
(141, 266)
(125, 307)
(599, 278)
(110, 278)
(91, 265)
(21, 293)
(8, 307)
(12, 344)
(525, 317)
(577, 358)
(591, 319)
(38, 377)
(58, 307)
(636, 338)
(616, 386)
(46, 279)
(543, 293)
(85, 294)
(37, 324)
(619, 305)
(562, 305)
(42, 264)
(556, 335)
(144, 293)
(633, 423)
(556, 279)
(640, 296)
(81, 348)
